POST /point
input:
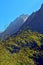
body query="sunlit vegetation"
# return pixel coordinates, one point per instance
(23, 49)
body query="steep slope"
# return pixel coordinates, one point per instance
(35, 21)
(14, 26)
(27, 45)
(20, 50)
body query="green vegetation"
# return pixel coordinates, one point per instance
(22, 49)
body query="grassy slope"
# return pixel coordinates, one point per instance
(26, 41)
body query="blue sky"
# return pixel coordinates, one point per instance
(10, 9)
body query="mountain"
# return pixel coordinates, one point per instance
(14, 26)
(35, 21)
(27, 45)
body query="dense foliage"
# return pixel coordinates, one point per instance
(26, 48)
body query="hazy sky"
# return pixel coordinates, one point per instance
(10, 9)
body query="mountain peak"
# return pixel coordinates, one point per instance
(41, 7)
(24, 15)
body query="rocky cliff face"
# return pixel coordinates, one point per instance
(14, 26)
(35, 21)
